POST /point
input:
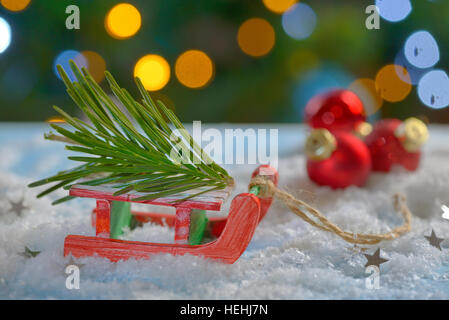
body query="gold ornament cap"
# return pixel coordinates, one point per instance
(320, 144)
(363, 129)
(413, 133)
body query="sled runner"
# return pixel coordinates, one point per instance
(190, 223)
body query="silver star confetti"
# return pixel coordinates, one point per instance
(375, 259)
(434, 240)
(28, 253)
(17, 207)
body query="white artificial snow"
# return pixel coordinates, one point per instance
(286, 259)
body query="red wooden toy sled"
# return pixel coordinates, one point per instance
(233, 233)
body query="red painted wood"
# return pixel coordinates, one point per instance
(182, 225)
(211, 202)
(93, 217)
(217, 228)
(103, 218)
(242, 222)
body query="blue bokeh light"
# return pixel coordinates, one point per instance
(63, 59)
(433, 89)
(414, 72)
(394, 10)
(5, 35)
(299, 21)
(421, 50)
(320, 80)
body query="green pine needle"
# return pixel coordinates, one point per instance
(146, 157)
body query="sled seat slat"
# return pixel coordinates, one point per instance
(208, 201)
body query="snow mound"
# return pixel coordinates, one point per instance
(286, 259)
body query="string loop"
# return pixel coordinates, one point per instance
(306, 212)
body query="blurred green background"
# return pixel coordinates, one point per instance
(272, 88)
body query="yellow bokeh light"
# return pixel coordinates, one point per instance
(153, 71)
(256, 37)
(393, 83)
(15, 5)
(194, 69)
(55, 119)
(278, 6)
(95, 64)
(123, 21)
(365, 89)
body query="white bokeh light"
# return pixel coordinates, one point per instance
(5, 35)
(421, 50)
(433, 89)
(414, 74)
(394, 10)
(299, 21)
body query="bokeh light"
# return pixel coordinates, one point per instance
(5, 35)
(256, 37)
(299, 21)
(95, 64)
(365, 89)
(153, 70)
(433, 89)
(15, 5)
(194, 69)
(55, 119)
(63, 59)
(278, 6)
(421, 50)
(390, 85)
(327, 77)
(123, 21)
(414, 73)
(394, 10)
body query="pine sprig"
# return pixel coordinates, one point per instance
(148, 158)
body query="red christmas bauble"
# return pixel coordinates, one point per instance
(338, 159)
(393, 142)
(335, 110)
